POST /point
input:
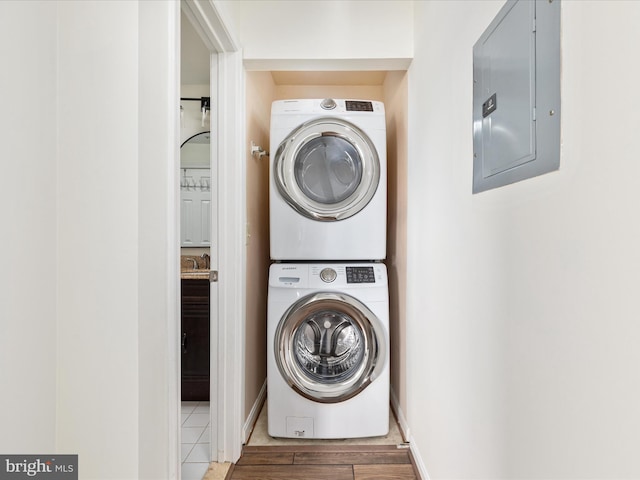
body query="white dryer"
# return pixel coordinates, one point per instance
(328, 350)
(328, 187)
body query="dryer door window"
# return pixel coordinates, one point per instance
(327, 169)
(329, 347)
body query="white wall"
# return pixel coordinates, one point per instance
(98, 236)
(522, 313)
(28, 216)
(88, 354)
(313, 31)
(158, 240)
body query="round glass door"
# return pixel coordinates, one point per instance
(329, 347)
(327, 169)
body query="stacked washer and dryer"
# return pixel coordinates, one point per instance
(328, 298)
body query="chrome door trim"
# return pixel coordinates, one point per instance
(287, 185)
(375, 352)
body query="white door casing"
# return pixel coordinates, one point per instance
(229, 214)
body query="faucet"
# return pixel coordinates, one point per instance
(207, 260)
(195, 262)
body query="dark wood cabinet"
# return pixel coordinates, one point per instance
(195, 339)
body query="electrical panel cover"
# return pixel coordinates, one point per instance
(516, 95)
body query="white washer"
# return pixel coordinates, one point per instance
(328, 350)
(328, 180)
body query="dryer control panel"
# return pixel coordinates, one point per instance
(327, 106)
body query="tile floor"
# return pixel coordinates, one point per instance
(196, 434)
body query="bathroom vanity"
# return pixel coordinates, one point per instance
(195, 338)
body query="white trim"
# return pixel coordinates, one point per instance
(215, 374)
(406, 434)
(232, 220)
(402, 421)
(227, 349)
(334, 64)
(254, 413)
(173, 253)
(209, 24)
(417, 458)
(158, 242)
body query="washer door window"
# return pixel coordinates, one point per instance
(329, 347)
(327, 169)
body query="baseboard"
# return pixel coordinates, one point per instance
(417, 458)
(253, 414)
(406, 434)
(397, 411)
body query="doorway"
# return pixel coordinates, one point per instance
(197, 190)
(224, 64)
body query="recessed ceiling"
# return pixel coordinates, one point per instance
(329, 78)
(195, 69)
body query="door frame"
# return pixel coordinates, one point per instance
(228, 294)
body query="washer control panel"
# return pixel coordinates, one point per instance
(358, 106)
(360, 275)
(327, 276)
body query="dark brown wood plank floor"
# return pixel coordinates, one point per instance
(319, 462)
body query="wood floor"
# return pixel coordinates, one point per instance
(317, 462)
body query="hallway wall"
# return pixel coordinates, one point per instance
(97, 288)
(88, 300)
(522, 301)
(29, 243)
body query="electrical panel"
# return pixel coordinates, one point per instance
(516, 95)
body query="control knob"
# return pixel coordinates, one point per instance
(328, 104)
(328, 275)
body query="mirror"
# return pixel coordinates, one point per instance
(195, 191)
(195, 151)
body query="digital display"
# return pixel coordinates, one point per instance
(360, 275)
(358, 106)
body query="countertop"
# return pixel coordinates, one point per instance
(188, 270)
(200, 274)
